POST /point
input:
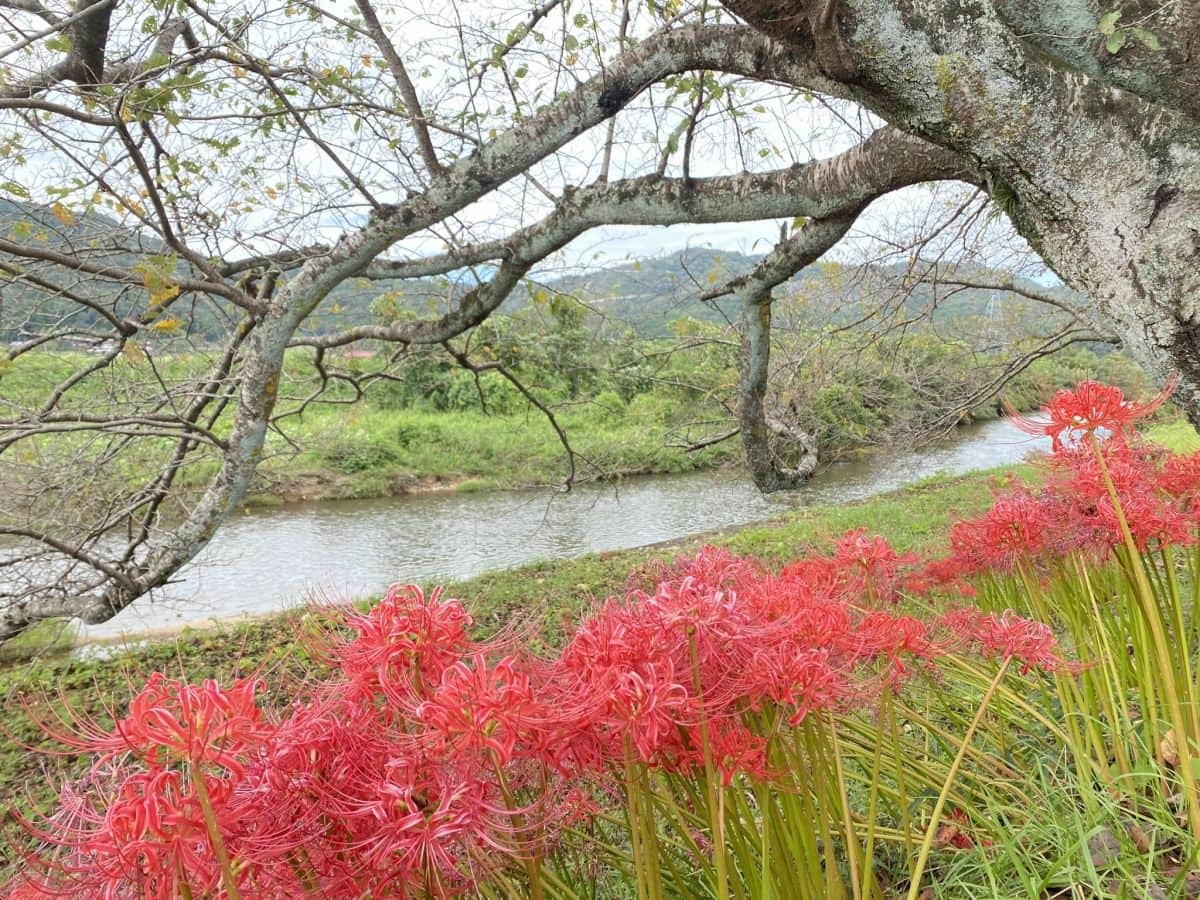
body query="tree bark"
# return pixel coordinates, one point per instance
(1095, 159)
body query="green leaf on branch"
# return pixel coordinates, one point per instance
(156, 273)
(1146, 38)
(1116, 41)
(16, 190)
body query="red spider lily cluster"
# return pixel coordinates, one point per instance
(430, 760)
(1104, 486)
(1090, 409)
(425, 761)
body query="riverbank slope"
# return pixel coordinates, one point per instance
(547, 596)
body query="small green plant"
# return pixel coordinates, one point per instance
(1117, 36)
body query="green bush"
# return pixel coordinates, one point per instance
(358, 452)
(609, 404)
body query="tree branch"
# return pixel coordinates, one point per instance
(887, 160)
(779, 456)
(84, 63)
(492, 366)
(404, 84)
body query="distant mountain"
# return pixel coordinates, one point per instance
(651, 294)
(29, 304)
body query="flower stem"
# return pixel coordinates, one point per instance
(214, 834)
(914, 887)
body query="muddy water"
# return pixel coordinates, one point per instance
(264, 560)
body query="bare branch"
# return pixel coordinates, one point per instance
(1078, 311)
(403, 83)
(77, 264)
(66, 549)
(492, 366)
(33, 6)
(887, 160)
(84, 64)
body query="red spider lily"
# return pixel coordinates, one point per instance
(168, 717)
(481, 707)
(894, 638)
(1091, 407)
(948, 573)
(1008, 636)
(147, 831)
(624, 677)
(819, 575)
(872, 560)
(796, 677)
(734, 749)
(713, 566)
(373, 803)
(420, 824)
(1179, 478)
(1075, 511)
(1017, 526)
(432, 760)
(201, 723)
(404, 642)
(815, 618)
(1131, 470)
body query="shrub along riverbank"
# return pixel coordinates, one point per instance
(865, 723)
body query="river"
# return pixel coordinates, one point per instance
(265, 559)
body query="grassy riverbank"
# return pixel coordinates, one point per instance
(369, 451)
(626, 410)
(548, 595)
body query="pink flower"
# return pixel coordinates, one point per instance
(169, 718)
(404, 643)
(481, 706)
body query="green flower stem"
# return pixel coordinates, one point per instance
(914, 887)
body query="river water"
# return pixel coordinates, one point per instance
(266, 559)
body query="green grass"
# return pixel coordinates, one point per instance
(378, 447)
(1179, 436)
(1078, 847)
(366, 451)
(50, 637)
